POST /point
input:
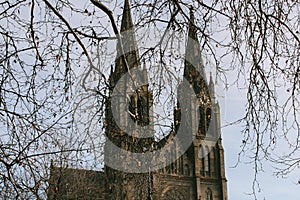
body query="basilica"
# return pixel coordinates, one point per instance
(193, 172)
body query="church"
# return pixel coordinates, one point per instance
(187, 170)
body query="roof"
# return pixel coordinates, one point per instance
(68, 183)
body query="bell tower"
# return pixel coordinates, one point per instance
(207, 150)
(201, 168)
(206, 154)
(128, 111)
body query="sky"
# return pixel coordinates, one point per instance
(240, 178)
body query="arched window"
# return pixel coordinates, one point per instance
(201, 126)
(206, 160)
(208, 194)
(208, 118)
(138, 109)
(132, 108)
(212, 161)
(142, 110)
(172, 168)
(202, 156)
(181, 168)
(186, 170)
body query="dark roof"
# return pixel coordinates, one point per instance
(66, 183)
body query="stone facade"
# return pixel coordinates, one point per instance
(198, 174)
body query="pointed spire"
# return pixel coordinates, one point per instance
(193, 69)
(127, 23)
(192, 28)
(130, 49)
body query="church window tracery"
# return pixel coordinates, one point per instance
(208, 194)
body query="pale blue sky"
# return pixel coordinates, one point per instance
(240, 178)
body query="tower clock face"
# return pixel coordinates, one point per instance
(174, 195)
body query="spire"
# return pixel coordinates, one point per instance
(192, 28)
(211, 87)
(127, 23)
(130, 49)
(194, 69)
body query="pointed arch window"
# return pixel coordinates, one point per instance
(172, 168)
(206, 160)
(132, 108)
(138, 109)
(201, 126)
(212, 161)
(208, 194)
(142, 109)
(201, 155)
(186, 170)
(208, 118)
